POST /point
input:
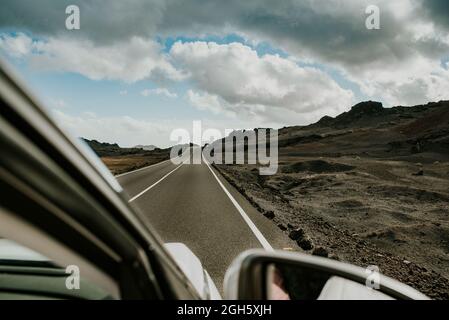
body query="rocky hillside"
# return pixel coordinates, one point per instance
(370, 187)
(104, 149)
(418, 133)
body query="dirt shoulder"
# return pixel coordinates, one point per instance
(393, 214)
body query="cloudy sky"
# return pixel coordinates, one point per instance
(138, 69)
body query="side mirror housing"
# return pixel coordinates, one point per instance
(261, 275)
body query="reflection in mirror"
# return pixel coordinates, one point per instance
(293, 282)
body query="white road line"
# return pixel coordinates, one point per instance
(154, 184)
(152, 165)
(242, 212)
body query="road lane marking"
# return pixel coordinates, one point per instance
(151, 165)
(242, 212)
(154, 184)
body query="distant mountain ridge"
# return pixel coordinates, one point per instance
(417, 133)
(369, 129)
(366, 129)
(104, 149)
(369, 113)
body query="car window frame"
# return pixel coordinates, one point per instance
(40, 144)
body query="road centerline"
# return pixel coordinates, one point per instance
(154, 184)
(263, 241)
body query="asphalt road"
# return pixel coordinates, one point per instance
(193, 204)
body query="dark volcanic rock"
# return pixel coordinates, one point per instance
(316, 166)
(362, 110)
(325, 121)
(282, 227)
(269, 214)
(367, 107)
(320, 251)
(305, 243)
(296, 234)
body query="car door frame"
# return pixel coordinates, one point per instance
(53, 183)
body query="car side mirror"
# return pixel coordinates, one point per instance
(262, 275)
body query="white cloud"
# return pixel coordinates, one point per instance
(130, 61)
(233, 79)
(159, 91)
(398, 64)
(124, 130)
(57, 103)
(205, 101)
(123, 92)
(330, 33)
(414, 80)
(17, 47)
